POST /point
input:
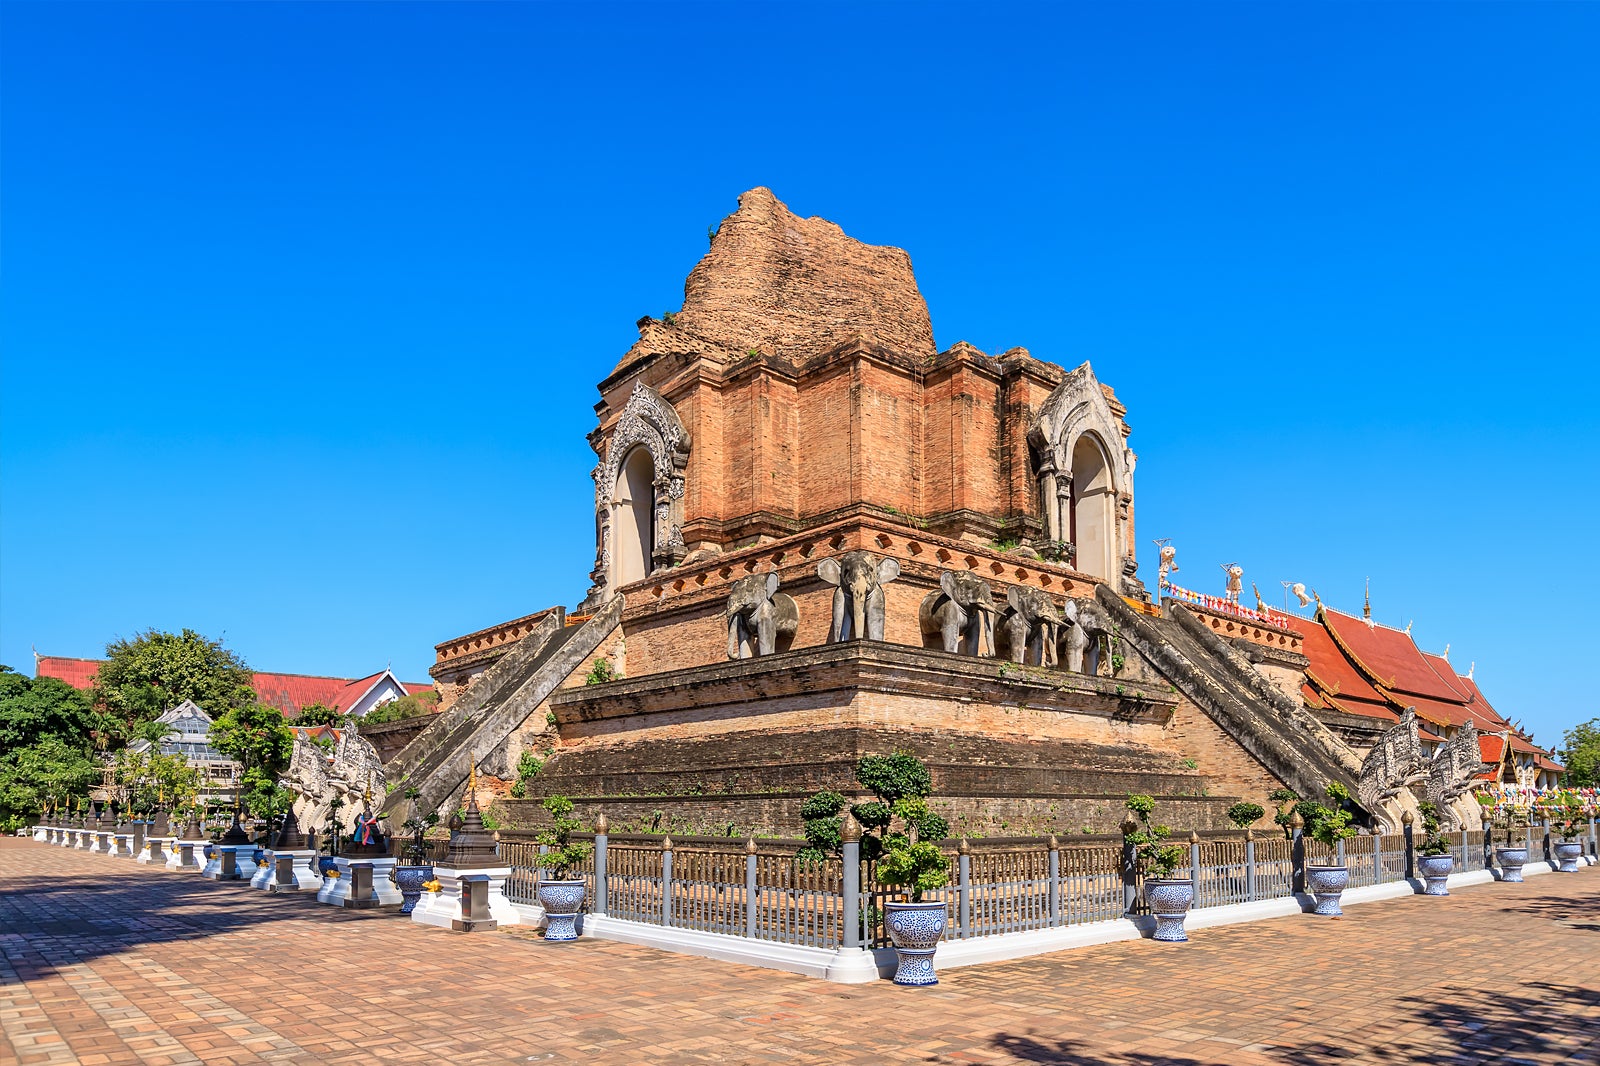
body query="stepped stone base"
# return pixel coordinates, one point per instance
(741, 744)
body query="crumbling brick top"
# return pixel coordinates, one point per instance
(792, 287)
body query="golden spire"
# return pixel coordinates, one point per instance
(1366, 602)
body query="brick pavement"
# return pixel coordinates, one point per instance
(122, 964)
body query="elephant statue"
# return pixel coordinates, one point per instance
(961, 613)
(1085, 623)
(1032, 626)
(758, 615)
(857, 578)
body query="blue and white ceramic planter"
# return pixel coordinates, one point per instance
(561, 900)
(410, 879)
(1169, 900)
(1327, 883)
(914, 930)
(1568, 852)
(1435, 870)
(1511, 861)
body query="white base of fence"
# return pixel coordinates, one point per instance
(850, 967)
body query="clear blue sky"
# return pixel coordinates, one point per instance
(304, 304)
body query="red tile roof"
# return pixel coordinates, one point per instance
(1390, 658)
(287, 692)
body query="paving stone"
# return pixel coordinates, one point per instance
(141, 966)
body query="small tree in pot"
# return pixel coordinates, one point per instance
(911, 863)
(1325, 825)
(1569, 820)
(1169, 898)
(1435, 862)
(416, 871)
(560, 894)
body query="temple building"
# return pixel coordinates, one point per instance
(819, 536)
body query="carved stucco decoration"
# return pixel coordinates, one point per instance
(1394, 765)
(648, 420)
(1452, 773)
(317, 775)
(1076, 407)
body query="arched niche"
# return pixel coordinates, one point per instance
(633, 508)
(639, 486)
(1083, 472)
(1092, 516)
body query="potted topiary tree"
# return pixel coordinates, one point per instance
(1513, 856)
(914, 925)
(1168, 897)
(1325, 826)
(1568, 821)
(561, 895)
(1435, 862)
(416, 871)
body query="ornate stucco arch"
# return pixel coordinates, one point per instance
(1076, 425)
(647, 422)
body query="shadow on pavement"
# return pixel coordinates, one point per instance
(1535, 1024)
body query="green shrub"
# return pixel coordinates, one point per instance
(1245, 814)
(563, 852)
(1433, 841)
(600, 672)
(1155, 856)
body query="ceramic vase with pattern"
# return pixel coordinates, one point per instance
(1568, 852)
(1169, 900)
(1435, 870)
(1511, 861)
(1326, 884)
(914, 930)
(410, 879)
(561, 900)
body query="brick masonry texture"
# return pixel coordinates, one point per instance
(106, 965)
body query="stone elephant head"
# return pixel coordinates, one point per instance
(858, 578)
(759, 616)
(1032, 626)
(1085, 622)
(961, 613)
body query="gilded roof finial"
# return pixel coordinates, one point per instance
(1366, 602)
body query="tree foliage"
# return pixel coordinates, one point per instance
(410, 706)
(314, 714)
(893, 780)
(257, 737)
(1580, 754)
(45, 745)
(155, 671)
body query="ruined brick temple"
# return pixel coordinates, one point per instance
(818, 536)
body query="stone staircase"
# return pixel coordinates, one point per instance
(1285, 737)
(438, 760)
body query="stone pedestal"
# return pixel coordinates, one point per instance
(264, 868)
(155, 851)
(292, 871)
(384, 892)
(122, 845)
(186, 854)
(85, 840)
(41, 832)
(244, 862)
(443, 908)
(101, 842)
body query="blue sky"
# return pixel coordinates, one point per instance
(303, 305)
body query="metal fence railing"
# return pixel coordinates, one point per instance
(765, 891)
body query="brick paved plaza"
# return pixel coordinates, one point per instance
(108, 962)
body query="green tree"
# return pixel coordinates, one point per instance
(313, 714)
(45, 745)
(257, 737)
(411, 706)
(32, 708)
(1580, 754)
(896, 781)
(155, 671)
(49, 769)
